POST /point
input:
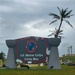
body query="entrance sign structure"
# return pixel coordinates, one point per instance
(32, 50)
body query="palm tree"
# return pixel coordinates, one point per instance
(64, 14)
(55, 32)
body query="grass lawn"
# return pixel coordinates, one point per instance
(66, 70)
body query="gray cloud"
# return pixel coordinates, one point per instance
(21, 18)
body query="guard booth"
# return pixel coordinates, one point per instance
(33, 50)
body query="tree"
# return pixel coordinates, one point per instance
(55, 32)
(2, 56)
(64, 14)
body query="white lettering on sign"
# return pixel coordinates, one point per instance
(35, 59)
(38, 55)
(21, 55)
(27, 58)
(29, 55)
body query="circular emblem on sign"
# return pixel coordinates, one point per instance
(31, 46)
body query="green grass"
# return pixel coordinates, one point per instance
(66, 70)
(72, 58)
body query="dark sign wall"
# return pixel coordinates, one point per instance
(31, 50)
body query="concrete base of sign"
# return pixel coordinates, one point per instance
(10, 62)
(54, 61)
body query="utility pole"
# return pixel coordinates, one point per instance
(71, 50)
(68, 50)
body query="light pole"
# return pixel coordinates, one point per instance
(71, 50)
(68, 50)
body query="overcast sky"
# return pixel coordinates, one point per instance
(22, 18)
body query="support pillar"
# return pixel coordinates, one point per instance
(54, 61)
(10, 62)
